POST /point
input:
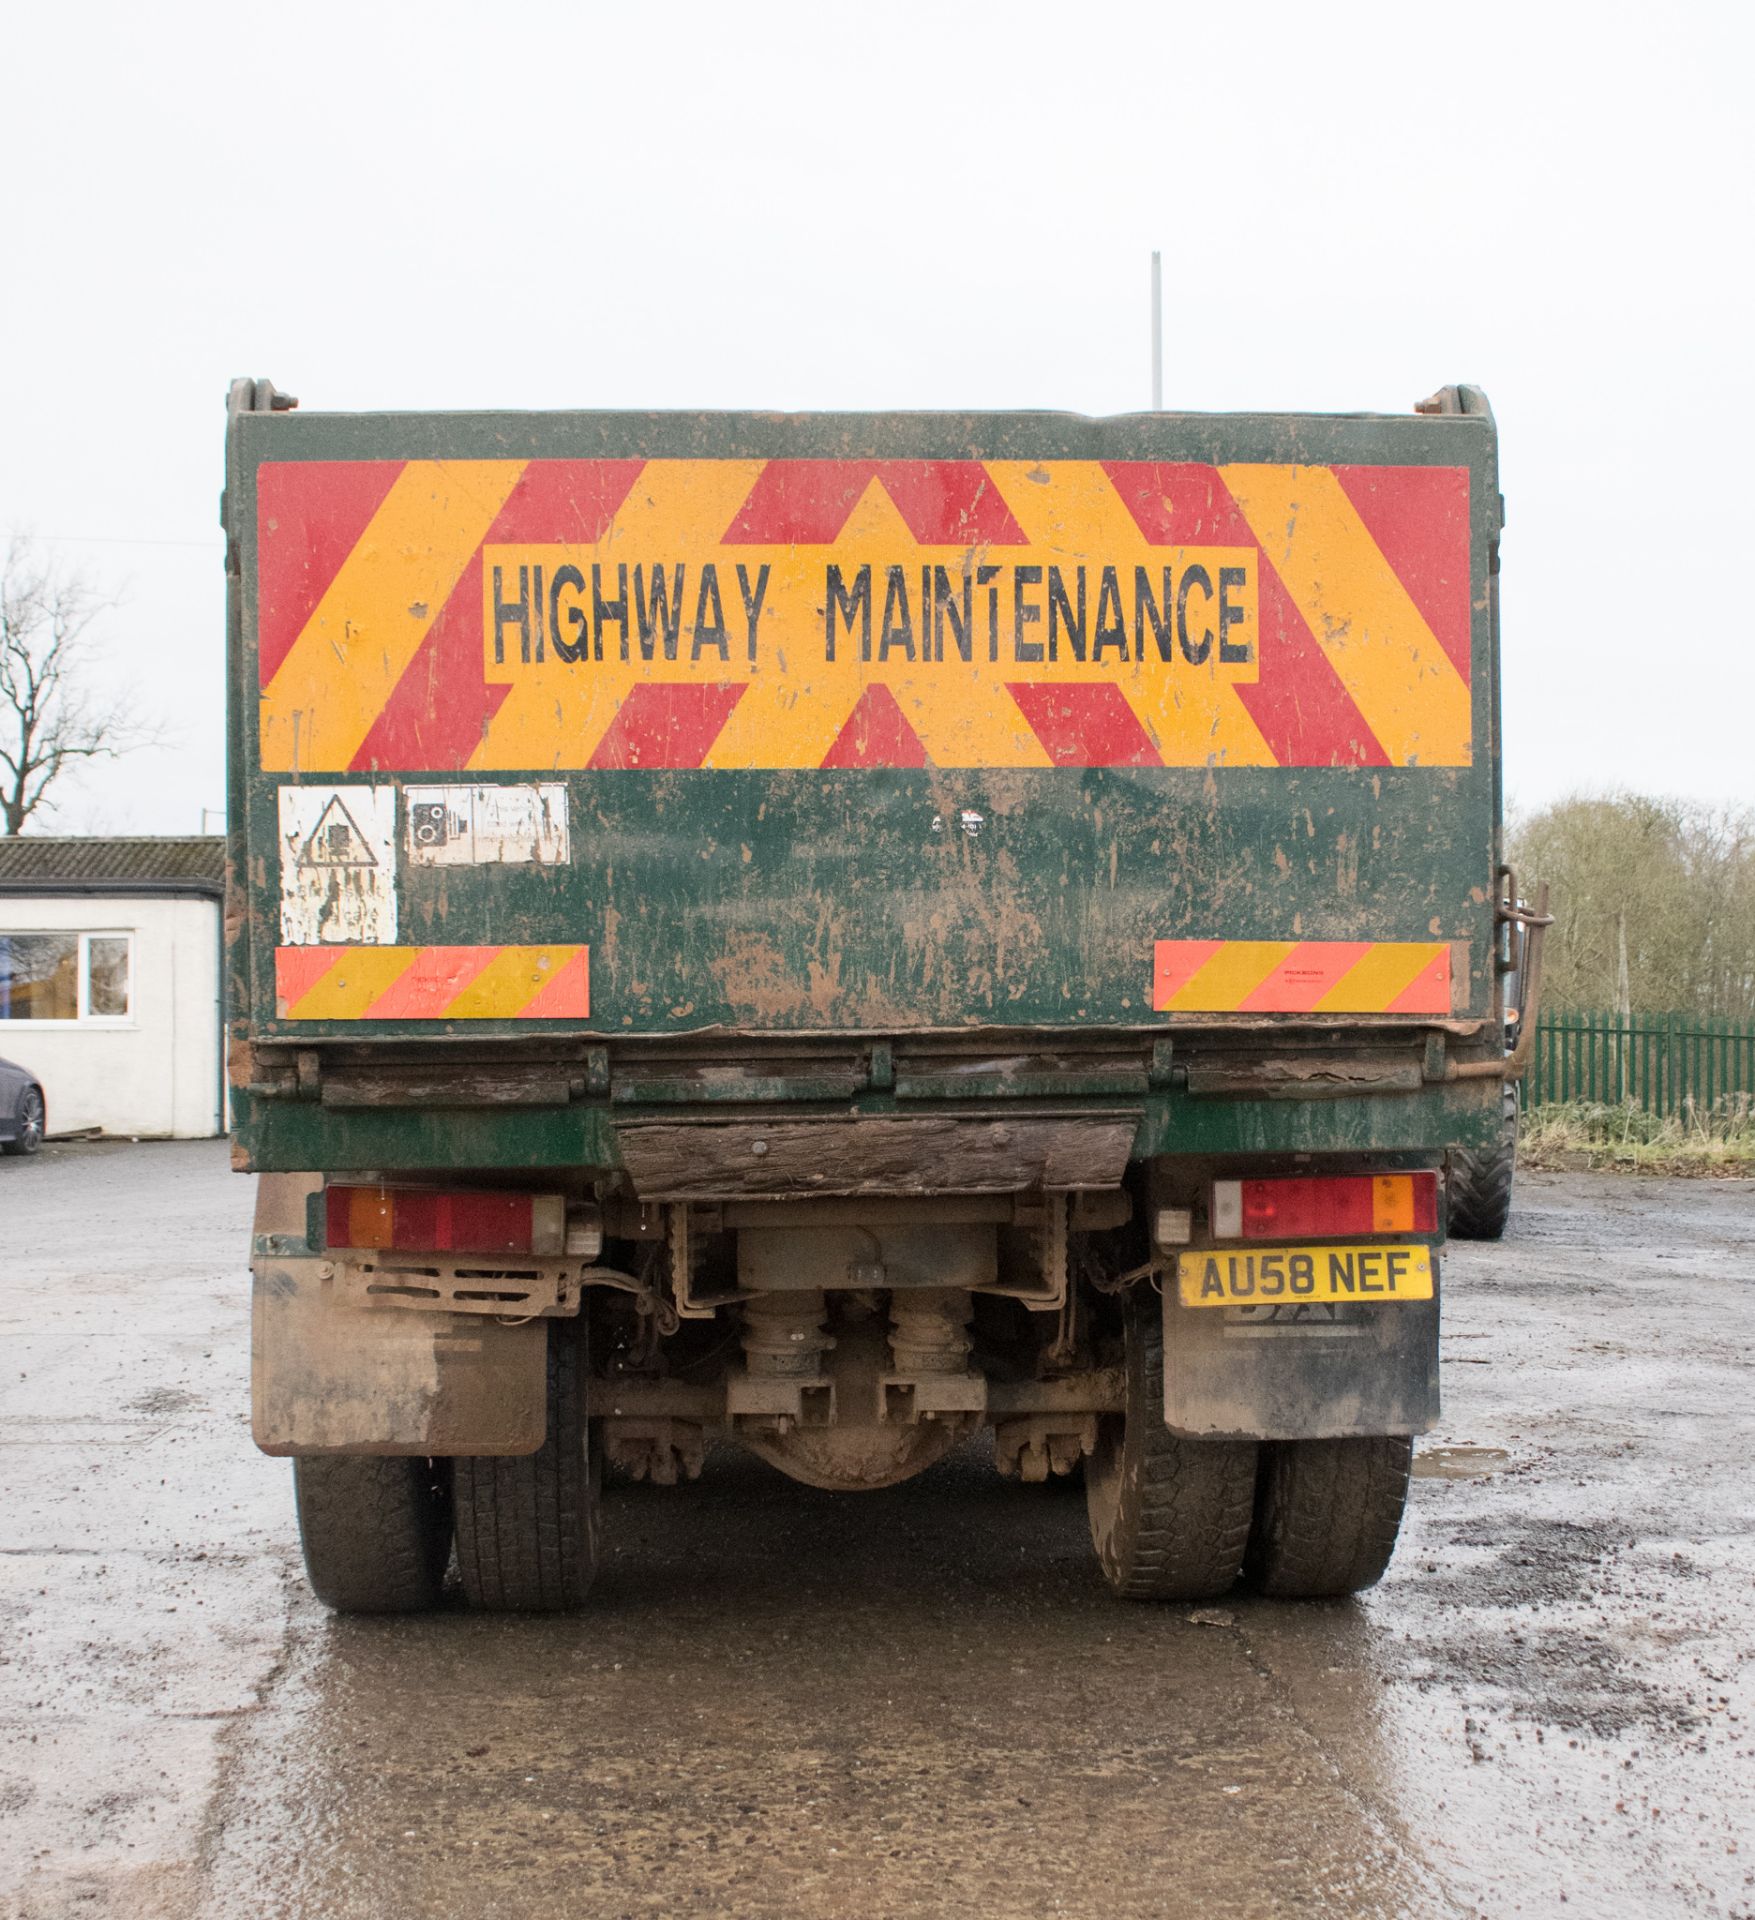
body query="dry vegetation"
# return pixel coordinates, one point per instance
(1628, 1139)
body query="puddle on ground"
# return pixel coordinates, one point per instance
(1458, 1463)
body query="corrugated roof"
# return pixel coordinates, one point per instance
(158, 861)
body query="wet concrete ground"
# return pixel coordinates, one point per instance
(911, 1703)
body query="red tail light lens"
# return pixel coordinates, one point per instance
(1325, 1208)
(418, 1220)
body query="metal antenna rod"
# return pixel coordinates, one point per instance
(1157, 332)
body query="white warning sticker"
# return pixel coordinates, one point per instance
(337, 866)
(487, 826)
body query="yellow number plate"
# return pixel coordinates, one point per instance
(1257, 1276)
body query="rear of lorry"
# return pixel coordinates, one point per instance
(834, 932)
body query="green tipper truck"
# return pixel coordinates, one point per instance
(840, 931)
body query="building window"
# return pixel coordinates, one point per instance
(79, 977)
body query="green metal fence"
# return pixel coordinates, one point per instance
(1666, 1063)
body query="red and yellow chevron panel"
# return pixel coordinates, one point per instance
(434, 615)
(1302, 976)
(432, 983)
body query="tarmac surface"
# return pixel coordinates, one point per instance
(919, 1702)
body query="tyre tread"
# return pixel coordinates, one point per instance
(527, 1524)
(375, 1531)
(1327, 1515)
(1183, 1518)
(1480, 1183)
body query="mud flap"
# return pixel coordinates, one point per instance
(330, 1377)
(1301, 1372)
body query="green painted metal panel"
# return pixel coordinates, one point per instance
(893, 897)
(375, 561)
(291, 1136)
(287, 1135)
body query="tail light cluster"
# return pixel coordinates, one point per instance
(1325, 1208)
(419, 1220)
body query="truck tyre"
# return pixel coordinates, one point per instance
(1480, 1183)
(1169, 1516)
(376, 1531)
(1327, 1513)
(527, 1526)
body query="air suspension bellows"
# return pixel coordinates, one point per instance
(785, 1335)
(929, 1330)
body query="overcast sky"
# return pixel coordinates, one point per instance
(908, 206)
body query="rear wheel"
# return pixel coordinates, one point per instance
(1327, 1513)
(1480, 1183)
(376, 1531)
(29, 1123)
(1169, 1516)
(527, 1526)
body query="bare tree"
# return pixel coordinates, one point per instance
(53, 714)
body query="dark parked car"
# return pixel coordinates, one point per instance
(22, 1113)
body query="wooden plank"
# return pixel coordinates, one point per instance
(936, 1154)
(507, 1085)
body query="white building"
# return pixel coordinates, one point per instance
(111, 976)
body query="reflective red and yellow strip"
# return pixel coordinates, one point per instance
(375, 599)
(1302, 976)
(432, 983)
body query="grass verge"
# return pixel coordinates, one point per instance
(1631, 1140)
